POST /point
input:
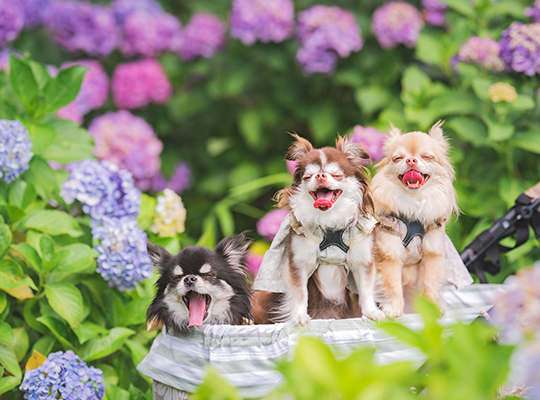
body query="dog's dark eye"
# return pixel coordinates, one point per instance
(175, 279)
(208, 275)
(337, 177)
(396, 159)
(427, 157)
(306, 177)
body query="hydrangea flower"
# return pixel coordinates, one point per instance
(138, 83)
(269, 225)
(130, 143)
(203, 36)
(326, 33)
(517, 311)
(93, 93)
(525, 368)
(371, 139)
(267, 21)
(63, 376)
(396, 22)
(12, 17)
(179, 181)
(434, 12)
(253, 263)
(483, 52)
(159, 34)
(123, 259)
(15, 145)
(123, 8)
(83, 26)
(104, 190)
(171, 215)
(34, 11)
(520, 48)
(502, 91)
(533, 12)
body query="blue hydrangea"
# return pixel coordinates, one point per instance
(123, 259)
(104, 190)
(15, 148)
(63, 376)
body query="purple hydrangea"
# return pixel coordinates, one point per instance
(130, 143)
(517, 311)
(371, 139)
(520, 48)
(123, 8)
(104, 190)
(12, 17)
(15, 146)
(34, 11)
(123, 260)
(268, 225)
(63, 376)
(93, 93)
(434, 12)
(325, 34)
(203, 36)
(159, 34)
(525, 368)
(267, 21)
(179, 181)
(83, 26)
(533, 12)
(396, 22)
(138, 83)
(483, 52)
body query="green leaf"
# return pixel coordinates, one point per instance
(461, 6)
(430, 49)
(114, 392)
(8, 359)
(66, 300)
(3, 301)
(53, 222)
(88, 330)
(30, 255)
(523, 103)
(71, 259)
(12, 277)
(452, 103)
(72, 143)
(42, 137)
(250, 127)
(215, 385)
(9, 382)
(529, 141)
(323, 122)
(63, 88)
(415, 84)
(44, 344)
(402, 333)
(5, 239)
(22, 80)
(481, 88)
(41, 176)
(21, 344)
(102, 347)
(58, 329)
(225, 218)
(469, 130)
(40, 72)
(7, 337)
(498, 132)
(372, 98)
(21, 194)
(137, 350)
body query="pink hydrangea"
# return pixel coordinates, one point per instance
(253, 263)
(130, 143)
(203, 36)
(396, 22)
(483, 52)
(269, 225)
(138, 83)
(371, 139)
(179, 182)
(93, 94)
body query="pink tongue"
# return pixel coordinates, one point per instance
(197, 309)
(322, 203)
(412, 177)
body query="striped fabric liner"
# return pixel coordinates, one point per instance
(246, 355)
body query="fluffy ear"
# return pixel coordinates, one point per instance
(299, 148)
(393, 132)
(352, 150)
(158, 255)
(436, 133)
(234, 250)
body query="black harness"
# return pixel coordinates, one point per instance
(333, 238)
(414, 228)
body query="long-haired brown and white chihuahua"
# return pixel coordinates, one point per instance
(414, 197)
(326, 240)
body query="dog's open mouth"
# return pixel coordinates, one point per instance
(414, 179)
(197, 305)
(325, 198)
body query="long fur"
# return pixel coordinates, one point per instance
(219, 274)
(431, 204)
(318, 290)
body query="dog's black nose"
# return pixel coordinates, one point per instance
(190, 280)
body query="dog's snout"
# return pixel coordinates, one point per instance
(320, 177)
(411, 161)
(190, 280)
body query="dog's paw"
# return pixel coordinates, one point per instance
(375, 315)
(391, 311)
(301, 319)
